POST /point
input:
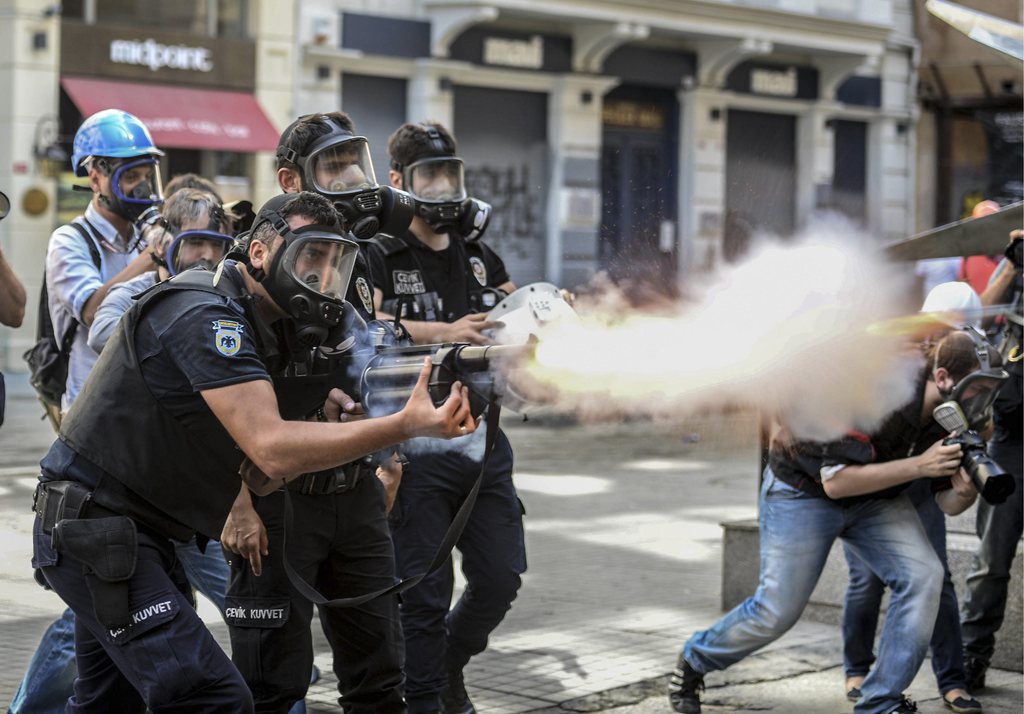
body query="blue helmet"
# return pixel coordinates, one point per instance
(112, 133)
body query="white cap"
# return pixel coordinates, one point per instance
(955, 297)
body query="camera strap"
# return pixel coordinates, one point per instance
(444, 550)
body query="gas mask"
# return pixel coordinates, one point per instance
(437, 185)
(338, 167)
(438, 188)
(974, 395)
(197, 249)
(134, 185)
(308, 278)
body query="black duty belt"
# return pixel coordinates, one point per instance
(55, 501)
(343, 478)
(441, 555)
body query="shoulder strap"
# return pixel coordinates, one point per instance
(391, 245)
(441, 555)
(89, 237)
(68, 338)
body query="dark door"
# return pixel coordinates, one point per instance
(638, 245)
(849, 173)
(760, 178)
(503, 139)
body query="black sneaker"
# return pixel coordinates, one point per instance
(907, 706)
(684, 688)
(975, 669)
(454, 699)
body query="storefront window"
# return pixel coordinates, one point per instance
(72, 9)
(232, 18)
(229, 163)
(223, 18)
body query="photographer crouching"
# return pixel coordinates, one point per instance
(852, 488)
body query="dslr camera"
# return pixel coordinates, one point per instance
(992, 482)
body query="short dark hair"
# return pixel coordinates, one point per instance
(191, 180)
(305, 203)
(301, 133)
(412, 142)
(958, 355)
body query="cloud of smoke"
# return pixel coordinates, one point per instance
(786, 330)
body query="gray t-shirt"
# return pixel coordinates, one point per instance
(119, 298)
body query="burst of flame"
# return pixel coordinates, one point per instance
(793, 329)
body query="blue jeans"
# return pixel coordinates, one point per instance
(50, 677)
(999, 528)
(864, 596)
(797, 532)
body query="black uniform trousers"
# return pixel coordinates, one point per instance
(493, 552)
(167, 661)
(341, 545)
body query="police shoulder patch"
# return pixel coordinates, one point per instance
(227, 337)
(479, 270)
(363, 289)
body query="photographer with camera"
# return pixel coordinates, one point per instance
(865, 589)
(999, 526)
(852, 488)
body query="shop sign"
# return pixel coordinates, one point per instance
(497, 47)
(633, 115)
(153, 55)
(772, 80)
(524, 54)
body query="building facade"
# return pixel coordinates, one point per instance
(212, 79)
(646, 138)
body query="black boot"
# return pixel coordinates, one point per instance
(684, 688)
(454, 699)
(975, 669)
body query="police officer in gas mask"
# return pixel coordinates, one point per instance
(440, 278)
(322, 153)
(188, 374)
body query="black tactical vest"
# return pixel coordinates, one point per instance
(163, 469)
(406, 288)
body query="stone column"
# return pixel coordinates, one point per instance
(574, 205)
(701, 179)
(29, 80)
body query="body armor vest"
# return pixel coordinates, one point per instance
(405, 288)
(171, 470)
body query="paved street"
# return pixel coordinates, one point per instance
(624, 549)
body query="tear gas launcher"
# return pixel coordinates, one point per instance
(383, 377)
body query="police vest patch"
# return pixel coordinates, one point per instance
(227, 336)
(363, 289)
(408, 282)
(479, 271)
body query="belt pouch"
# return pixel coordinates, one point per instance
(108, 549)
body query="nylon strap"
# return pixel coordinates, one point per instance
(444, 550)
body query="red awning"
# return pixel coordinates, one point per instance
(181, 117)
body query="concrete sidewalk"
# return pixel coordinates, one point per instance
(624, 549)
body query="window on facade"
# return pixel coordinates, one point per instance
(222, 18)
(180, 16)
(232, 18)
(229, 163)
(72, 9)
